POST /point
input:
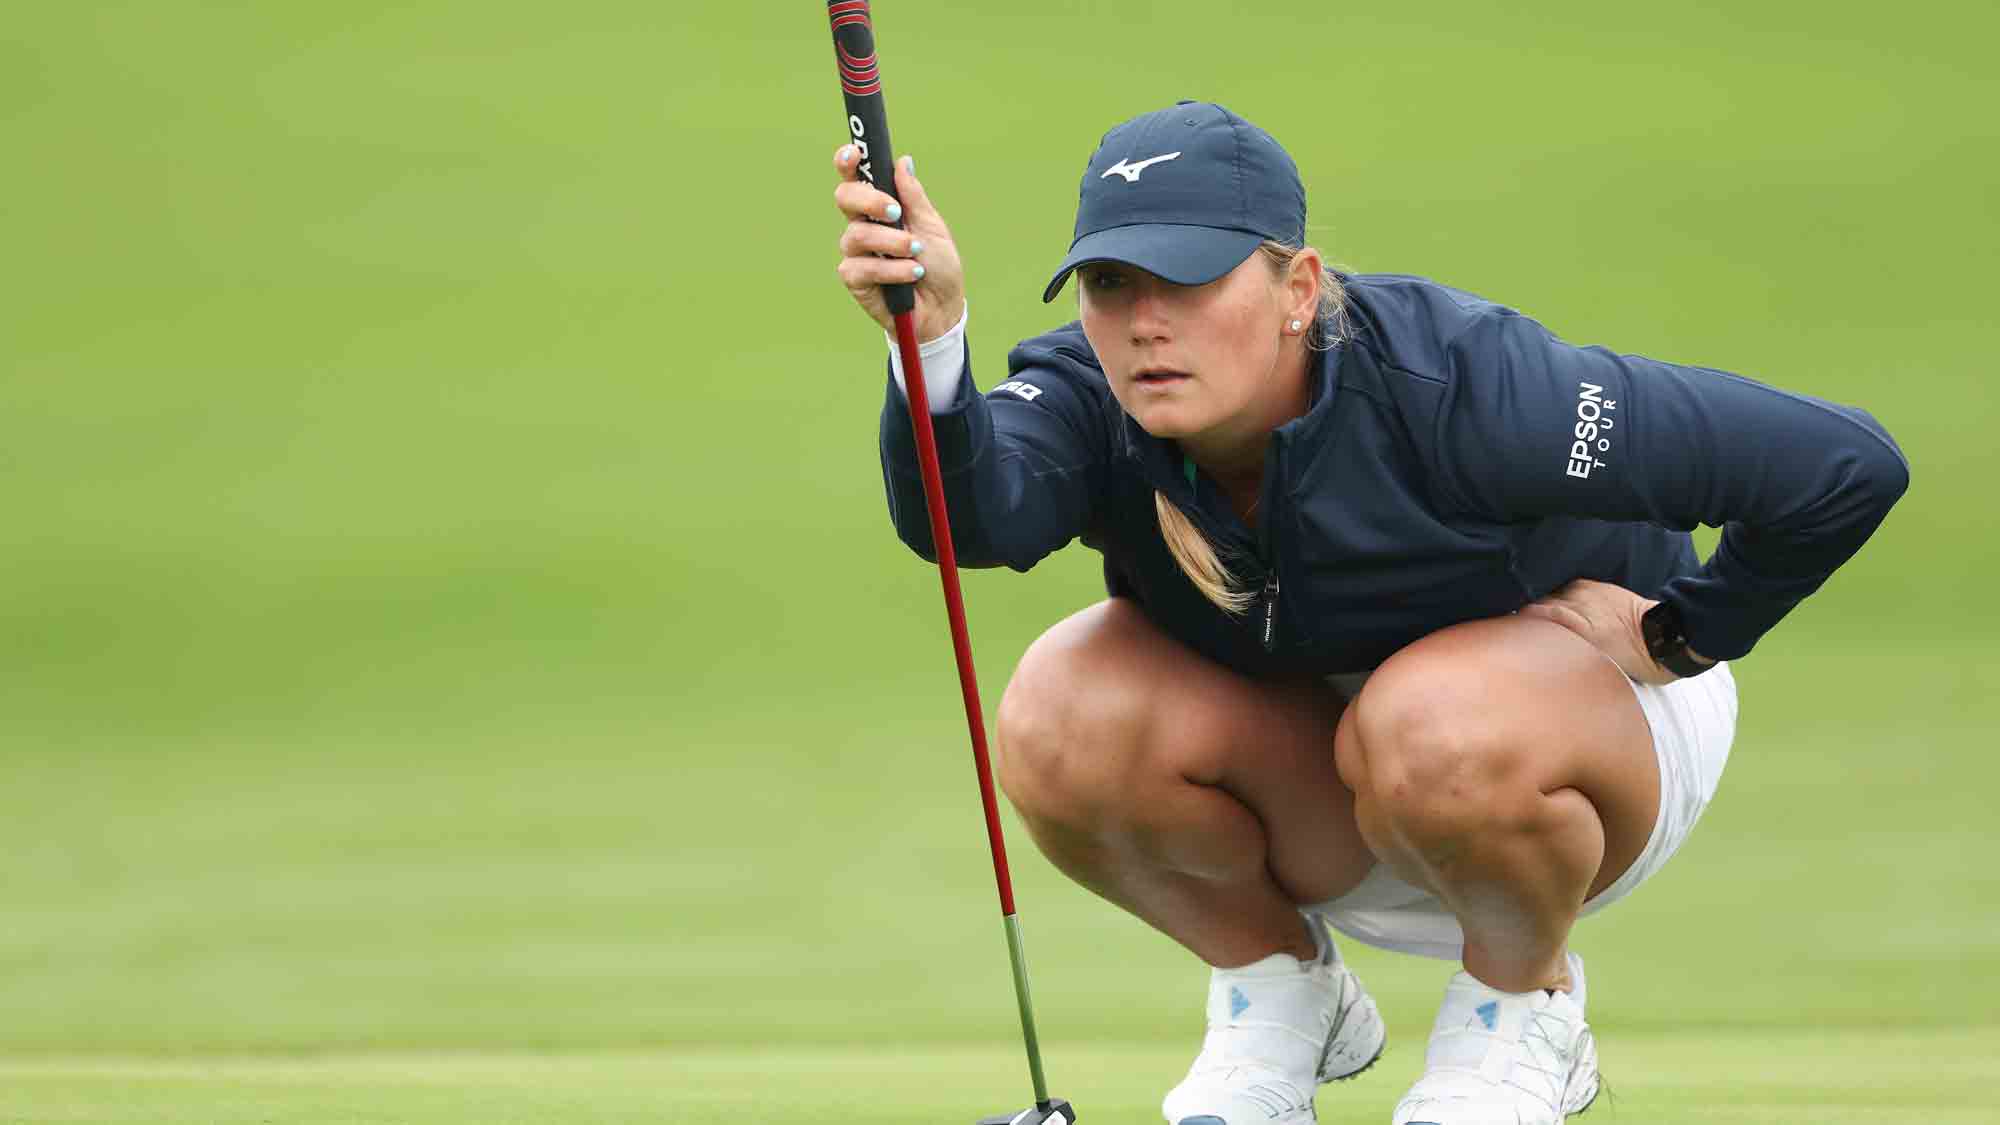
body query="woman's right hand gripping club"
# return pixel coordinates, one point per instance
(873, 254)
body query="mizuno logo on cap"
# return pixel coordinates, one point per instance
(1131, 171)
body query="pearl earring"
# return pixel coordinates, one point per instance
(1295, 326)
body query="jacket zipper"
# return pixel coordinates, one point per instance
(1269, 594)
(1268, 557)
(1271, 612)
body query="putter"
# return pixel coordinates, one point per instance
(868, 125)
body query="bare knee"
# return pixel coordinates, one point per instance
(1430, 752)
(1071, 721)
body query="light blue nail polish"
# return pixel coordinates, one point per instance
(916, 247)
(920, 273)
(910, 165)
(895, 213)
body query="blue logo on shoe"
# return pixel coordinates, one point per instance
(1237, 1002)
(1489, 1014)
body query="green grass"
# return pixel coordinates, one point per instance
(1838, 1079)
(454, 664)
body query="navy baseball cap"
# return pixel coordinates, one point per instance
(1184, 193)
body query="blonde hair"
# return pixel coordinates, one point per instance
(1191, 549)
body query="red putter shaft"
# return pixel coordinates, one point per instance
(961, 641)
(918, 397)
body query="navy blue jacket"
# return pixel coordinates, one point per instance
(1457, 461)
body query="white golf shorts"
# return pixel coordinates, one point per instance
(1693, 723)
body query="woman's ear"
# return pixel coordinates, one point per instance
(1302, 281)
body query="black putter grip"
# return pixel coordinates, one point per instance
(867, 120)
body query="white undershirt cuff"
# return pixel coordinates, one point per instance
(944, 364)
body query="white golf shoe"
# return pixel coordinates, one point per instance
(1277, 1028)
(1505, 1058)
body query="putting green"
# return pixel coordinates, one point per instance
(454, 661)
(1911, 1078)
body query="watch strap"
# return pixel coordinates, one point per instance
(1667, 643)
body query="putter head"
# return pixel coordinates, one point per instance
(1057, 1112)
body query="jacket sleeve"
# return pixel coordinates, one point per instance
(1022, 466)
(1531, 426)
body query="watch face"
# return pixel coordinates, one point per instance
(1661, 627)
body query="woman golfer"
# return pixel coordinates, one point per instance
(1405, 636)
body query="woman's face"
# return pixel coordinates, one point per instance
(1184, 359)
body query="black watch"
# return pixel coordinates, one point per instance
(1667, 642)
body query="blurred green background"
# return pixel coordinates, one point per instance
(455, 664)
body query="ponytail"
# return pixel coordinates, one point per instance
(1197, 559)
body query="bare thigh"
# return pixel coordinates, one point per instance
(1143, 722)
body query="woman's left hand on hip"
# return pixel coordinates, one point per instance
(1607, 616)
